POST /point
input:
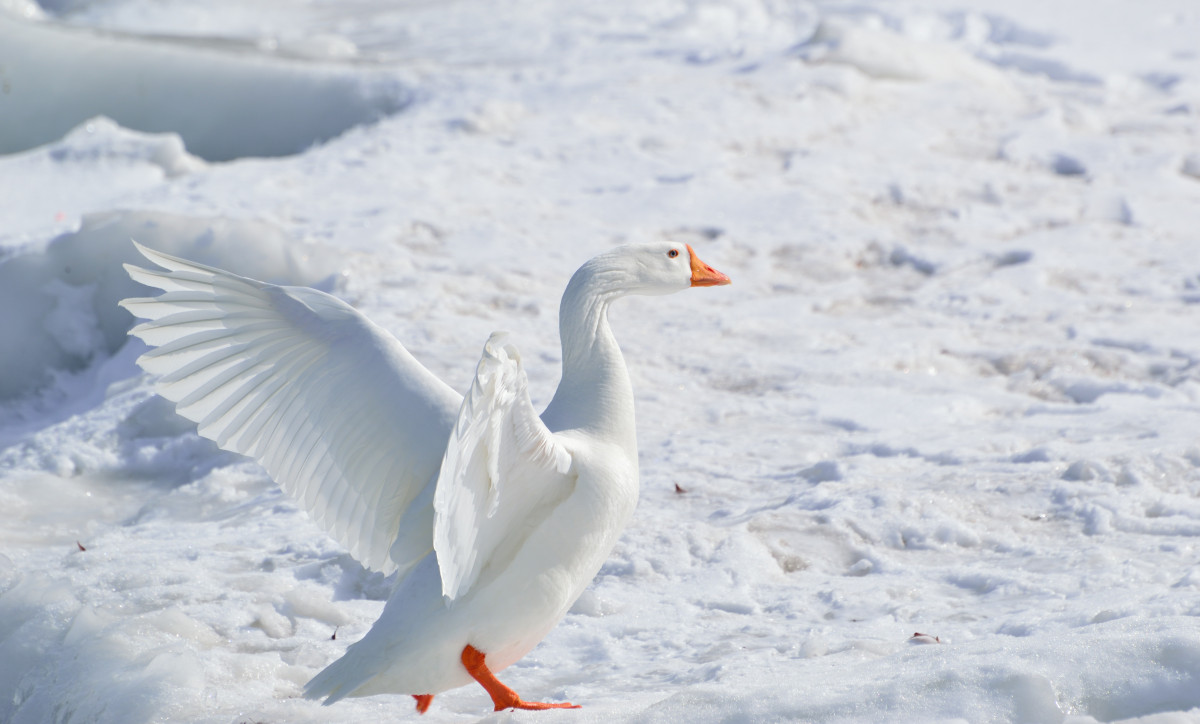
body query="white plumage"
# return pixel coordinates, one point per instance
(495, 518)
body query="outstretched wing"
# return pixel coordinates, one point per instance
(336, 410)
(503, 472)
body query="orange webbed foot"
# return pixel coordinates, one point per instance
(502, 696)
(537, 705)
(423, 702)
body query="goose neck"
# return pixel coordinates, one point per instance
(595, 393)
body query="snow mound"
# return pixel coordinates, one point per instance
(60, 301)
(100, 139)
(223, 103)
(883, 54)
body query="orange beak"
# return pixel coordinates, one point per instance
(704, 275)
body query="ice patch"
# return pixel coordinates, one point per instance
(223, 104)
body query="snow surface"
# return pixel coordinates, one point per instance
(954, 389)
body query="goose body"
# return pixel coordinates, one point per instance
(494, 518)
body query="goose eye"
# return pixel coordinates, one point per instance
(673, 253)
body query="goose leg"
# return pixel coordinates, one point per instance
(423, 702)
(502, 696)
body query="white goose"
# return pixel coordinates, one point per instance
(495, 518)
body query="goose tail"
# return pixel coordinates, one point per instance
(336, 681)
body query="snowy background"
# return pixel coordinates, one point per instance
(954, 388)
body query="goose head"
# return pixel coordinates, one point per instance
(651, 269)
(595, 393)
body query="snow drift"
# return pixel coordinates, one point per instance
(61, 301)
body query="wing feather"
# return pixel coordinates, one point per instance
(502, 470)
(336, 410)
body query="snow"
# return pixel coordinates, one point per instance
(932, 456)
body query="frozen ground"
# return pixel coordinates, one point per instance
(954, 388)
